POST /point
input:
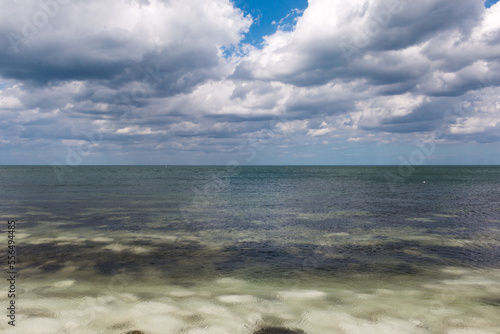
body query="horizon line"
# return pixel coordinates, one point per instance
(238, 165)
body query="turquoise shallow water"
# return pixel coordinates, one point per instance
(248, 249)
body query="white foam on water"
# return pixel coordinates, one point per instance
(158, 324)
(22, 236)
(387, 326)
(60, 239)
(421, 219)
(322, 321)
(301, 294)
(442, 215)
(154, 308)
(229, 305)
(205, 308)
(472, 280)
(116, 247)
(210, 330)
(152, 237)
(230, 281)
(338, 234)
(236, 299)
(127, 297)
(35, 325)
(64, 284)
(454, 271)
(473, 331)
(182, 293)
(198, 313)
(102, 239)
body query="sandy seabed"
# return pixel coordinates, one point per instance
(466, 302)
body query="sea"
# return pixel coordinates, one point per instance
(250, 249)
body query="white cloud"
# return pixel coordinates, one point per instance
(137, 130)
(482, 115)
(9, 100)
(157, 69)
(291, 127)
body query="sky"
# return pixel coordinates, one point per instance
(217, 82)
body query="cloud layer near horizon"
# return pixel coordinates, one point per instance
(168, 81)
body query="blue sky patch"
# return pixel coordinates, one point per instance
(267, 16)
(490, 3)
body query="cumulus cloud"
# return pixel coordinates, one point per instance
(155, 76)
(118, 42)
(399, 51)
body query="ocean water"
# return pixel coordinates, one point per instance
(253, 250)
